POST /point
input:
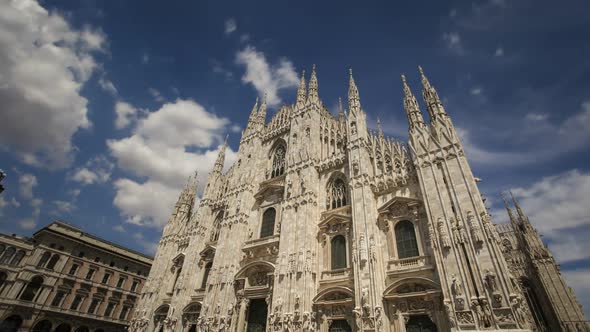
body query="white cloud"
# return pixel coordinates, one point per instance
(499, 52)
(149, 246)
(264, 77)
(476, 91)
(230, 26)
(27, 182)
(6, 203)
(453, 41)
(27, 223)
(218, 68)
(558, 207)
(177, 139)
(157, 95)
(36, 204)
(479, 155)
(126, 114)
(96, 170)
(64, 207)
(537, 116)
(107, 86)
(44, 63)
(145, 58)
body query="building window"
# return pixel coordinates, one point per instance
(206, 275)
(405, 237)
(337, 194)
(44, 259)
(278, 161)
(54, 259)
(105, 278)
(17, 258)
(338, 247)
(90, 274)
(58, 298)
(123, 313)
(81, 254)
(73, 269)
(109, 309)
(3, 277)
(121, 282)
(134, 285)
(76, 302)
(268, 223)
(32, 289)
(97, 259)
(8, 253)
(93, 305)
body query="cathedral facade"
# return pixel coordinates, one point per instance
(322, 225)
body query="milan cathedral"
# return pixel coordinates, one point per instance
(323, 225)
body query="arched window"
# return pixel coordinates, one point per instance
(278, 161)
(338, 245)
(337, 194)
(42, 326)
(54, 259)
(268, 223)
(17, 258)
(11, 324)
(206, 275)
(63, 327)
(216, 228)
(405, 236)
(2, 247)
(43, 259)
(32, 289)
(8, 253)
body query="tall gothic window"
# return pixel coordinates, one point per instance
(17, 258)
(405, 236)
(268, 223)
(338, 245)
(8, 253)
(206, 274)
(278, 161)
(32, 289)
(337, 194)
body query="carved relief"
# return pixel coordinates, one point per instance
(444, 235)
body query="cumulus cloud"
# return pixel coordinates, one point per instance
(44, 63)
(126, 114)
(537, 116)
(178, 139)
(557, 206)
(63, 207)
(12, 202)
(578, 280)
(476, 91)
(230, 26)
(266, 78)
(27, 182)
(108, 86)
(157, 95)
(499, 52)
(96, 170)
(27, 223)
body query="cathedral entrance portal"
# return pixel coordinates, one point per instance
(420, 323)
(257, 316)
(340, 325)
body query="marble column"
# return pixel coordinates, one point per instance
(242, 316)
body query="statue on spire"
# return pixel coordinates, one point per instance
(433, 103)
(301, 91)
(313, 96)
(411, 106)
(218, 167)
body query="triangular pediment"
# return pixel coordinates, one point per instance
(397, 200)
(208, 250)
(270, 187)
(340, 215)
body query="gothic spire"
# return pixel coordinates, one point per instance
(508, 209)
(301, 91)
(411, 106)
(313, 87)
(218, 167)
(380, 130)
(354, 104)
(262, 111)
(341, 115)
(521, 214)
(433, 103)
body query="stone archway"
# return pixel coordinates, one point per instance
(334, 307)
(254, 297)
(420, 323)
(11, 323)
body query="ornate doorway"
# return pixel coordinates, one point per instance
(257, 316)
(340, 325)
(420, 323)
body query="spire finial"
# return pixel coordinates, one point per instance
(380, 129)
(301, 91)
(411, 105)
(508, 208)
(313, 87)
(354, 104)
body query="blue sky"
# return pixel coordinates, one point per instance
(107, 107)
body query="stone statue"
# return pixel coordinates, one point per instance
(444, 235)
(490, 279)
(357, 317)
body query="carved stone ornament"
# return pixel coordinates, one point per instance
(444, 235)
(465, 318)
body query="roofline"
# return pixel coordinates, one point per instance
(86, 234)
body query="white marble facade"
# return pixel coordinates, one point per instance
(322, 225)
